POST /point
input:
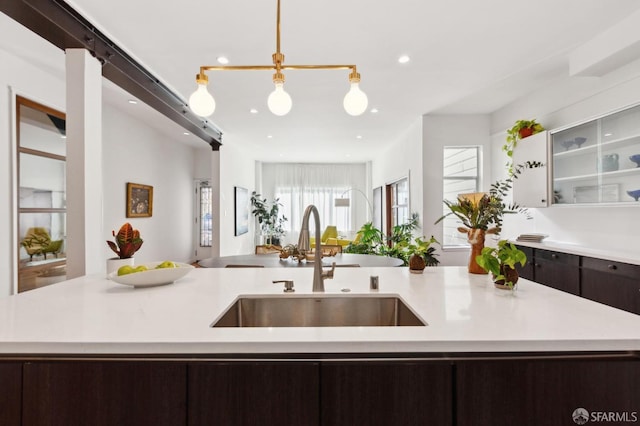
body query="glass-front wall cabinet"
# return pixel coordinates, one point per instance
(598, 161)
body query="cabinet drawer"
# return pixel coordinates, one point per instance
(554, 256)
(612, 267)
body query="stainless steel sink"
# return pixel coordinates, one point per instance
(318, 311)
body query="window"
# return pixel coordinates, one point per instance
(205, 202)
(397, 203)
(460, 176)
(42, 200)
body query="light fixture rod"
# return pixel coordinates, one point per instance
(273, 67)
(278, 29)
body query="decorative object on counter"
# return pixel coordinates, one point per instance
(268, 215)
(421, 254)
(532, 238)
(127, 242)
(482, 213)
(139, 200)
(153, 274)
(501, 262)
(520, 130)
(579, 141)
(636, 159)
(635, 194)
(608, 163)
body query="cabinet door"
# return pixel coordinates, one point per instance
(104, 393)
(530, 187)
(527, 271)
(10, 393)
(386, 393)
(558, 270)
(543, 392)
(254, 393)
(612, 283)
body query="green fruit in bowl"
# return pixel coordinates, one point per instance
(140, 268)
(166, 264)
(125, 270)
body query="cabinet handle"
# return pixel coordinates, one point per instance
(537, 265)
(554, 256)
(612, 267)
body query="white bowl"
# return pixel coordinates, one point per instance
(152, 276)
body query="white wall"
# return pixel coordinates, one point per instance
(237, 168)
(572, 100)
(403, 158)
(18, 77)
(450, 130)
(133, 152)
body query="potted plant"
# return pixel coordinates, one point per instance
(520, 130)
(482, 213)
(501, 262)
(127, 242)
(421, 254)
(268, 215)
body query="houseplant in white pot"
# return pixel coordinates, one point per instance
(127, 242)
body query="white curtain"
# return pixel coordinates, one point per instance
(299, 185)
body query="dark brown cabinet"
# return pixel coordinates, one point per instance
(612, 283)
(10, 393)
(544, 392)
(254, 393)
(104, 393)
(558, 270)
(527, 270)
(386, 393)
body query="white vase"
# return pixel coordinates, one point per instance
(114, 263)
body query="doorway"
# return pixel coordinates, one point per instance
(41, 186)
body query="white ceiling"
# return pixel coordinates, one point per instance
(467, 56)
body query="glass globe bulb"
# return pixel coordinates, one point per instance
(279, 101)
(201, 102)
(355, 101)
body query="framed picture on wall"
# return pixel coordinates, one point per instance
(139, 200)
(241, 203)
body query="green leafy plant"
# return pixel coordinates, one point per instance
(489, 209)
(520, 130)
(268, 215)
(424, 250)
(127, 242)
(501, 260)
(399, 243)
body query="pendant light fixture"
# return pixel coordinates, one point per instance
(202, 103)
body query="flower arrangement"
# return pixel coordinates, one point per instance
(127, 241)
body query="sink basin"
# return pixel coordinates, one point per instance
(318, 311)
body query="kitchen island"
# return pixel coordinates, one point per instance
(486, 356)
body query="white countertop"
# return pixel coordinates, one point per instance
(613, 255)
(92, 315)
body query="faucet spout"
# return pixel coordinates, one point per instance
(304, 246)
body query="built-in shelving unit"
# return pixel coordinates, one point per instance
(591, 161)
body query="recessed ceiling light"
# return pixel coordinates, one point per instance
(269, 136)
(374, 110)
(63, 136)
(223, 60)
(608, 134)
(359, 137)
(253, 111)
(133, 101)
(186, 133)
(404, 59)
